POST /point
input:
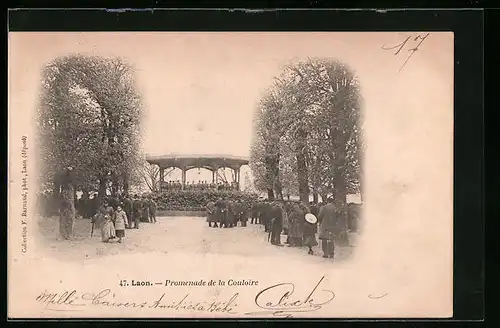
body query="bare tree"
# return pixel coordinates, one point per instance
(150, 175)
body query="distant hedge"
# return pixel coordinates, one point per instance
(195, 200)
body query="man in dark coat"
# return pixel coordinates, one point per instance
(152, 210)
(211, 214)
(221, 211)
(144, 209)
(276, 217)
(328, 217)
(128, 209)
(230, 217)
(137, 211)
(243, 209)
(265, 216)
(255, 213)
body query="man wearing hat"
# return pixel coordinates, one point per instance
(211, 214)
(276, 226)
(137, 211)
(128, 209)
(220, 210)
(328, 217)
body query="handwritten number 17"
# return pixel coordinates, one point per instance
(420, 39)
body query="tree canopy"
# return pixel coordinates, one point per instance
(89, 117)
(309, 123)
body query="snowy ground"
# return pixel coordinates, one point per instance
(188, 235)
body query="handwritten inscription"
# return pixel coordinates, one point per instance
(281, 299)
(72, 301)
(221, 306)
(412, 43)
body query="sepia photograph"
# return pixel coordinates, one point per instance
(230, 174)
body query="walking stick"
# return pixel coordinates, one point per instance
(92, 231)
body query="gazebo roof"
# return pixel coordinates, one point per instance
(208, 161)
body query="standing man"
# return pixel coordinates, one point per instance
(327, 217)
(145, 208)
(276, 216)
(128, 209)
(137, 213)
(266, 215)
(255, 213)
(243, 216)
(220, 212)
(230, 216)
(152, 210)
(211, 215)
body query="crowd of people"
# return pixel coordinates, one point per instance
(116, 214)
(302, 223)
(200, 185)
(299, 221)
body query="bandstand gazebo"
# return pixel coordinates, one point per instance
(187, 162)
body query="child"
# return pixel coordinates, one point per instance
(121, 222)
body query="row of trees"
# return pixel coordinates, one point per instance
(89, 118)
(308, 132)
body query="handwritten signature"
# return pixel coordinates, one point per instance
(415, 40)
(280, 300)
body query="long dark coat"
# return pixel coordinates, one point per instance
(211, 212)
(221, 211)
(128, 208)
(231, 215)
(296, 222)
(328, 218)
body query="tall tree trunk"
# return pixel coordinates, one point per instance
(270, 172)
(56, 196)
(67, 206)
(270, 194)
(341, 197)
(277, 181)
(102, 190)
(114, 186)
(302, 174)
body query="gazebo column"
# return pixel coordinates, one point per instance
(162, 172)
(183, 178)
(215, 176)
(238, 177)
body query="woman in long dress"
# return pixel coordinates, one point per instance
(107, 226)
(296, 221)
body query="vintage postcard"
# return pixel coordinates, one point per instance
(230, 175)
